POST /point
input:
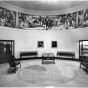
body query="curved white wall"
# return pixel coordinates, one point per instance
(68, 40)
(26, 40)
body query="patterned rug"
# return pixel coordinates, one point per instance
(45, 75)
(37, 68)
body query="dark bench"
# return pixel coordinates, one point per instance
(48, 56)
(28, 54)
(66, 54)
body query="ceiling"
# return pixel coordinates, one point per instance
(46, 6)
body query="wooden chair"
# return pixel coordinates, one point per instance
(13, 65)
(84, 62)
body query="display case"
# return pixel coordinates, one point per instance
(83, 48)
(6, 50)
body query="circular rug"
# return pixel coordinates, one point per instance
(49, 75)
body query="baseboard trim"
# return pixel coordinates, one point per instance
(31, 58)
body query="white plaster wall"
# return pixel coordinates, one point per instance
(26, 40)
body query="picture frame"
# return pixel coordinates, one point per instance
(40, 44)
(54, 44)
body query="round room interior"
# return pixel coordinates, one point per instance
(67, 40)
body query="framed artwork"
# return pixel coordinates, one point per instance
(54, 44)
(40, 44)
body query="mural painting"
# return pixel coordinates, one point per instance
(67, 21)
(47, 22)
(7, 17)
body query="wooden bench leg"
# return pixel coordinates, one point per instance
(73, 56)
(20, 65)
(54, 61)
(42, 61)
(80, 65)
(86, 71)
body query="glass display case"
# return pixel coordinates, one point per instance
(6, 50)
(83, 48)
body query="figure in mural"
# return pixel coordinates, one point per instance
(43, 22)
(63, 21)
(73, 23)
(70, 21)
(85, 21)
(69, 17)
(13, 19)
(2, 18)
(47, 22)
(67, 24)
(26, 25)
(40, 20)
(80, 18)
(74, 17)
(28, 21)
(21, 24)
(7, 17)
(59, 21)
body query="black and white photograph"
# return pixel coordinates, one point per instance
(40, 44)
(44, 43)
(54, 44)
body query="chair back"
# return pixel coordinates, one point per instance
(11, 61)
(84, 59)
